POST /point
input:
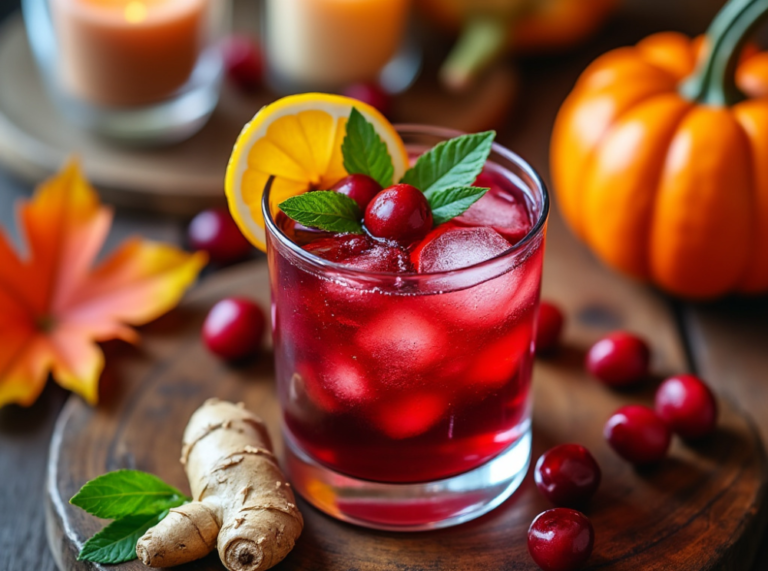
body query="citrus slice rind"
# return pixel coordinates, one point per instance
(296, 139)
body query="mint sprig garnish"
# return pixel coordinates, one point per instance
(452, 202)
(364, 152)
(135, 500)
(451, 164)
(326, 210)
(444, 174)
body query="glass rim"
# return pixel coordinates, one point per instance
(326, 265)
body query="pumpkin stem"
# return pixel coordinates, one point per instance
(482, 40)
(714, 82)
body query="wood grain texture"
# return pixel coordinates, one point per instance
(24, 437)
(698, 510)
(729, 347)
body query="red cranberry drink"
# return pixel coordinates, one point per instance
(410, 386)
(404, 311)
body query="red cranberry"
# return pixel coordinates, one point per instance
(400, 212)
(359, 187)
(561, 539)
(371, 94)
(234, 328)
(550, 327)
(215, 232)
(619, 359)
(567, 475)
(243, 62)
(687, 405)
(638, 434)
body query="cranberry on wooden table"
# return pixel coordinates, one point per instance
(638, 434)
(567, 475)
(234, 328)
(359, 187)
(214, 232)
(561, 539)
(619, 359)
(549, 328)
(243, 62)
(401, 213)
(687, 405)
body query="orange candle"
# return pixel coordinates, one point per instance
(128, 52)
(327, 43)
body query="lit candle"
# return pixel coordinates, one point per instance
(329, 43)
(128, 52)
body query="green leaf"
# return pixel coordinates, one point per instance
(450, 164)
(326, 210)
(364, 152)
(116, 543)
(126, 492)
(452, 202)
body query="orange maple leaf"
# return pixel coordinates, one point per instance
(55, 306)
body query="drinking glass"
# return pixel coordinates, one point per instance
(406, 397)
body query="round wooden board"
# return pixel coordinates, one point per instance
(699, 510)
(185, 178)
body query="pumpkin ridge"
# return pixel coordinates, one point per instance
(576, 222)
(698, 238)
(755, 276)
(665, 50)
(621, 236)
(601, 79)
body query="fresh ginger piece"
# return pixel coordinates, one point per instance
(242, 503)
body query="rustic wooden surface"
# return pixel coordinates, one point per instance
(697, 510)
(727, 341)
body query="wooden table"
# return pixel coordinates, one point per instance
(726, 341)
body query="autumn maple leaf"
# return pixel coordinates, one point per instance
(55, 306)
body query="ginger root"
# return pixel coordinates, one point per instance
(242, 503)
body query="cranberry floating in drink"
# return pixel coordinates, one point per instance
(403, 326)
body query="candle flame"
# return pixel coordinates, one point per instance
(135, 12)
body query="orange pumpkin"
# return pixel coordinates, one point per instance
(659, 159)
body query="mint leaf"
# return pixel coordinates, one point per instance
(364, 152)
(326, 210)
(452, 202)
(116, 543)
(450, 164)
(127, 492)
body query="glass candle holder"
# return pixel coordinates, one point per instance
(406, 397)
(138, 71)
(325, 45)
